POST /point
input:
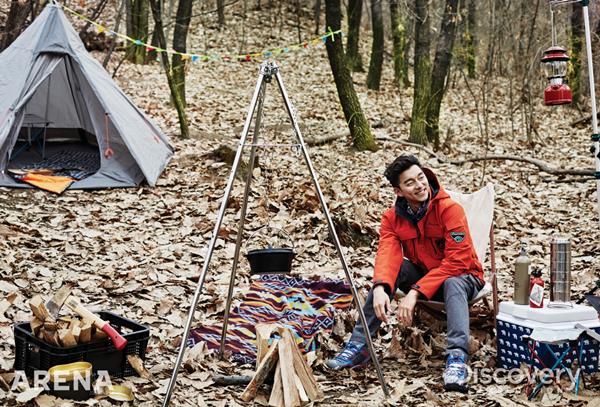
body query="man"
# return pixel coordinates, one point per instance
(425, 250)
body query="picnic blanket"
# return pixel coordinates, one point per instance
(305, 306)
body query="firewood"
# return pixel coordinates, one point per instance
(75, 331)
(276, 398)
(265, 367)
(98, 335)
(302, 369)
(66, 338)
(86, 331)
(291, 397)
(39, 309)
(51, 337)
(263, 334)
(138, 365)
(51, 325)
(35, 324)
(301, 392)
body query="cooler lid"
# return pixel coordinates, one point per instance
(549, 315)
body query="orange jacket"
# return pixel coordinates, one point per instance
(440, 243)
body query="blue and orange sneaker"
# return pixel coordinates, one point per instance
(456, 374)
(355, 355)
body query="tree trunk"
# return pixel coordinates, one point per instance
(471, 39)
(576, 44)
(317, 17)
(113, 41)
(360, 131)
(184, 13)
(15, 22)
(220, 12)
(164, 57)
(374, 75)
(138, 29)
(422, 74)
(353, 57)
(400, 44)
(441, 69)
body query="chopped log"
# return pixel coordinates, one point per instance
(265, 367)
(99, 335)
(263, 334)
(138, 365)
(75, 331)
(39, 309)
(66, 338)
(50, 325)
(51, 337)
(35, 324)
(276, 398)
(301, 392)
(291, 396)
(86, 331)
(302, 369)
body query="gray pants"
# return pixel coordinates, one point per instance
(455, 293)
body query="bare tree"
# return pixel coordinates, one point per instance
(137, 28)
(164, 57)
(15, 22)
(576, 44)
(184, 13)
(353, 57)
(422, 87)
(441, 69)
(399, 37)
(374, 75)
(221, 12)
(360, 131)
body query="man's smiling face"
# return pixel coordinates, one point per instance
(413, 186)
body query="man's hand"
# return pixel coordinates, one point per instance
(406, 308)
(381, 303)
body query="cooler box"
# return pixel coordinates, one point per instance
(515, 321)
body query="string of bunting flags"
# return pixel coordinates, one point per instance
(195, 57)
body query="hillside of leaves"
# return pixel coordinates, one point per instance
(138, 252)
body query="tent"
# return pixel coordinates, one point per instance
(58, 106)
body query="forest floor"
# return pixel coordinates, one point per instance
(138, 251)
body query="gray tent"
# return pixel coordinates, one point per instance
(57, 102)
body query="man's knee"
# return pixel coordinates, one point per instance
(455, 285)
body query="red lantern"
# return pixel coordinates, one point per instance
(554, 63)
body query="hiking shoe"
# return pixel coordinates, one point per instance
(355, 355)
(456, 374)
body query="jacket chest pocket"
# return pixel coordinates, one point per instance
(434, 236)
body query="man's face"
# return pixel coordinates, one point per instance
(414, 186)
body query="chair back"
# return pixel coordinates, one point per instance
(479, 208)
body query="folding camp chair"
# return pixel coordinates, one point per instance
(479, 208)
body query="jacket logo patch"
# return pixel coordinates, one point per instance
(457, 236)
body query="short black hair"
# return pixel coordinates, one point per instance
(400, 164)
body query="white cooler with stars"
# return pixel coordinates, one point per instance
(513, 322)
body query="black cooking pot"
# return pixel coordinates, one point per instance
(270, 260)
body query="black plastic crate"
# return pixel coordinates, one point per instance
(32, 353)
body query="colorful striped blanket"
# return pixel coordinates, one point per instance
(304, 306)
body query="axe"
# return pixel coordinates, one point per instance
(83, 312)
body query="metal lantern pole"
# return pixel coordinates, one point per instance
(590, 63)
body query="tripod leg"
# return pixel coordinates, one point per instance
(332, 232)
(211, 245)
(244, 207)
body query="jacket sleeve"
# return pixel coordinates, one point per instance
(389, 256)
(458, 252)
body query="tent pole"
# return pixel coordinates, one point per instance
(211, 244)
(46, 117)
(238, 241)
(332, 232)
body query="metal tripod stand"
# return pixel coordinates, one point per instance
(268, 71)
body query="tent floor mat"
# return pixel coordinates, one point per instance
(75, 160)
